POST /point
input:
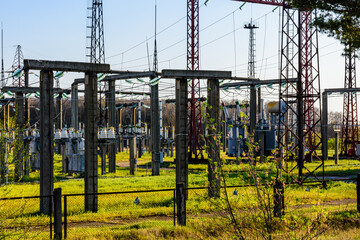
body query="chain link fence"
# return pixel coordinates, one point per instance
(155, 208)
(20, 218)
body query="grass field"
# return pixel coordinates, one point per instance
(333, 208)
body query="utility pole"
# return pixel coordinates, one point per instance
(252, 74)
(2, 57)
(155, 117)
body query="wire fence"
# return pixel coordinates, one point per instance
(20, 218)
(155, 208)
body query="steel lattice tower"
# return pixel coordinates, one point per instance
(17, 65)
(300, 137)
(349, 129)
(96, 50)
(299, 125)
(252, 42)
(2, 58)
(252, 61)
(195, 136)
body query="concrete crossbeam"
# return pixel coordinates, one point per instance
(66, 66)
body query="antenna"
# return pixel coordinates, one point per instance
(2, 57)
(155, 44)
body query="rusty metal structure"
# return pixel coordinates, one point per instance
(349, 128)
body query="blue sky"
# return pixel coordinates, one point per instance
(56, 30)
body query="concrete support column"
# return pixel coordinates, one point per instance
(57, 214)
(46, 139)
(110, 99)
(155, 130)
(19, 143)
(181, 140)
(132, 155)
(337, 146)
(74, 106)
(324, 125)
(27, 112)
(252, 109)
(59, 124)
(213, 111)
(91, 142)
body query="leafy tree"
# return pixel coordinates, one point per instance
(337, 18)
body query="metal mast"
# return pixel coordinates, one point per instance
(2, 58)
(252, 42)
(195, 138)
(96, 50)
(252, 61)
(298, 135)
(349, 129)
(18, 79)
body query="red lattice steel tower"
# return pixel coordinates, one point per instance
(349, 129)
(195, 137)
(300, 124)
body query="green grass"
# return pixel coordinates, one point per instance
(118, 217)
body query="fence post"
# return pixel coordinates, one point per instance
(181, 204)
(278, 198)
(57, 214)
(358, 192)
(65, 216)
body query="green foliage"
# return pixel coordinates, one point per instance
(337, 18)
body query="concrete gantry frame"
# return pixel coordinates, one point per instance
(46, 126)
(110, 103)
(181, 128)
(325, 115)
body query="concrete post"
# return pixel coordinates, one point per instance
(27, 111)
(110, 98)
(132, 155)
(57, 214)
(59, 112)
(262, 146)
(155, 130)
(252, 109)
(181, 132)
(337, 146)
(74, 106)
(103, 158)
(325, 125)
(213, 111)
(46, 139)
(91, 142)
(19, 146)
(181, 204)
(358, 193)
(278, 198)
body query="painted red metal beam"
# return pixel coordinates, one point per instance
(268, 2)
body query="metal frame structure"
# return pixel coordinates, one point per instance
(349, 129)
(300, 128)
(195, 137)
(97, 50)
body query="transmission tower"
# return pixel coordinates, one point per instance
(252, 60)
(195, 137)
(18, 79)
(301, 133)
(252, 42)
(2, 58)
(349, 130)
(96, 50)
